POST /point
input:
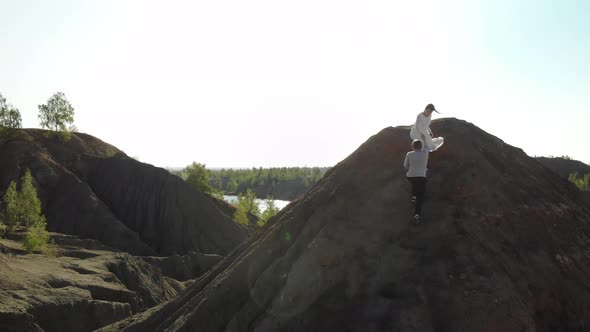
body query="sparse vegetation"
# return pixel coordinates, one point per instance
(582, 182)
(23, 208)
(111, 152)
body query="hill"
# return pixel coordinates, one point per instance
(504, 246)
(91, 189)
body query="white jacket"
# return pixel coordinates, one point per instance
(422, 127)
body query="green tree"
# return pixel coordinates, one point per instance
(57, 114)
(198, 177)
(246, 204)
(9, 116)
(271, 211)
(248, 201)
(24, 208)
(11, 206)
(30, 204)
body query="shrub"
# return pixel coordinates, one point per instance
(241, 216)
(111, 152)
(583, 183)
(37, 236)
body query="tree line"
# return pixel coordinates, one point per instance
(284, 183)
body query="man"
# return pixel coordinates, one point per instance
(415, 165)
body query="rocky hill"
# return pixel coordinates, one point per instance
(504, 246)
(91, 189)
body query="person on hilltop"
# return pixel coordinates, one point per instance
(421, 130)
(415, 165)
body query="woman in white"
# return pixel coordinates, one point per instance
(421, 130)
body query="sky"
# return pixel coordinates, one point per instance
(298, 83)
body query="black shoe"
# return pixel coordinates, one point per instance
(416, 219)
(413, 200)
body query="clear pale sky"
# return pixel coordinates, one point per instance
(294, 83)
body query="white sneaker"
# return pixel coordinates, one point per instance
(416, 218)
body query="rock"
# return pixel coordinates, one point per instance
(79, 290)
(182, 268)
(344, 257)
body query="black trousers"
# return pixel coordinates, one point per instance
(418, 190)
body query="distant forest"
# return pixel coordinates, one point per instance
(285, 183)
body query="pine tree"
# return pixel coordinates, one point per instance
(23, 208)
(11, 206)
(30, 203)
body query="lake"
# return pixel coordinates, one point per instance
(261, 202)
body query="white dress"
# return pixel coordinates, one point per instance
(421, 127)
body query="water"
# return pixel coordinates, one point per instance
(261, 202)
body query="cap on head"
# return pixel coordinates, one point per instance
(430, 107)
(417, 144)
